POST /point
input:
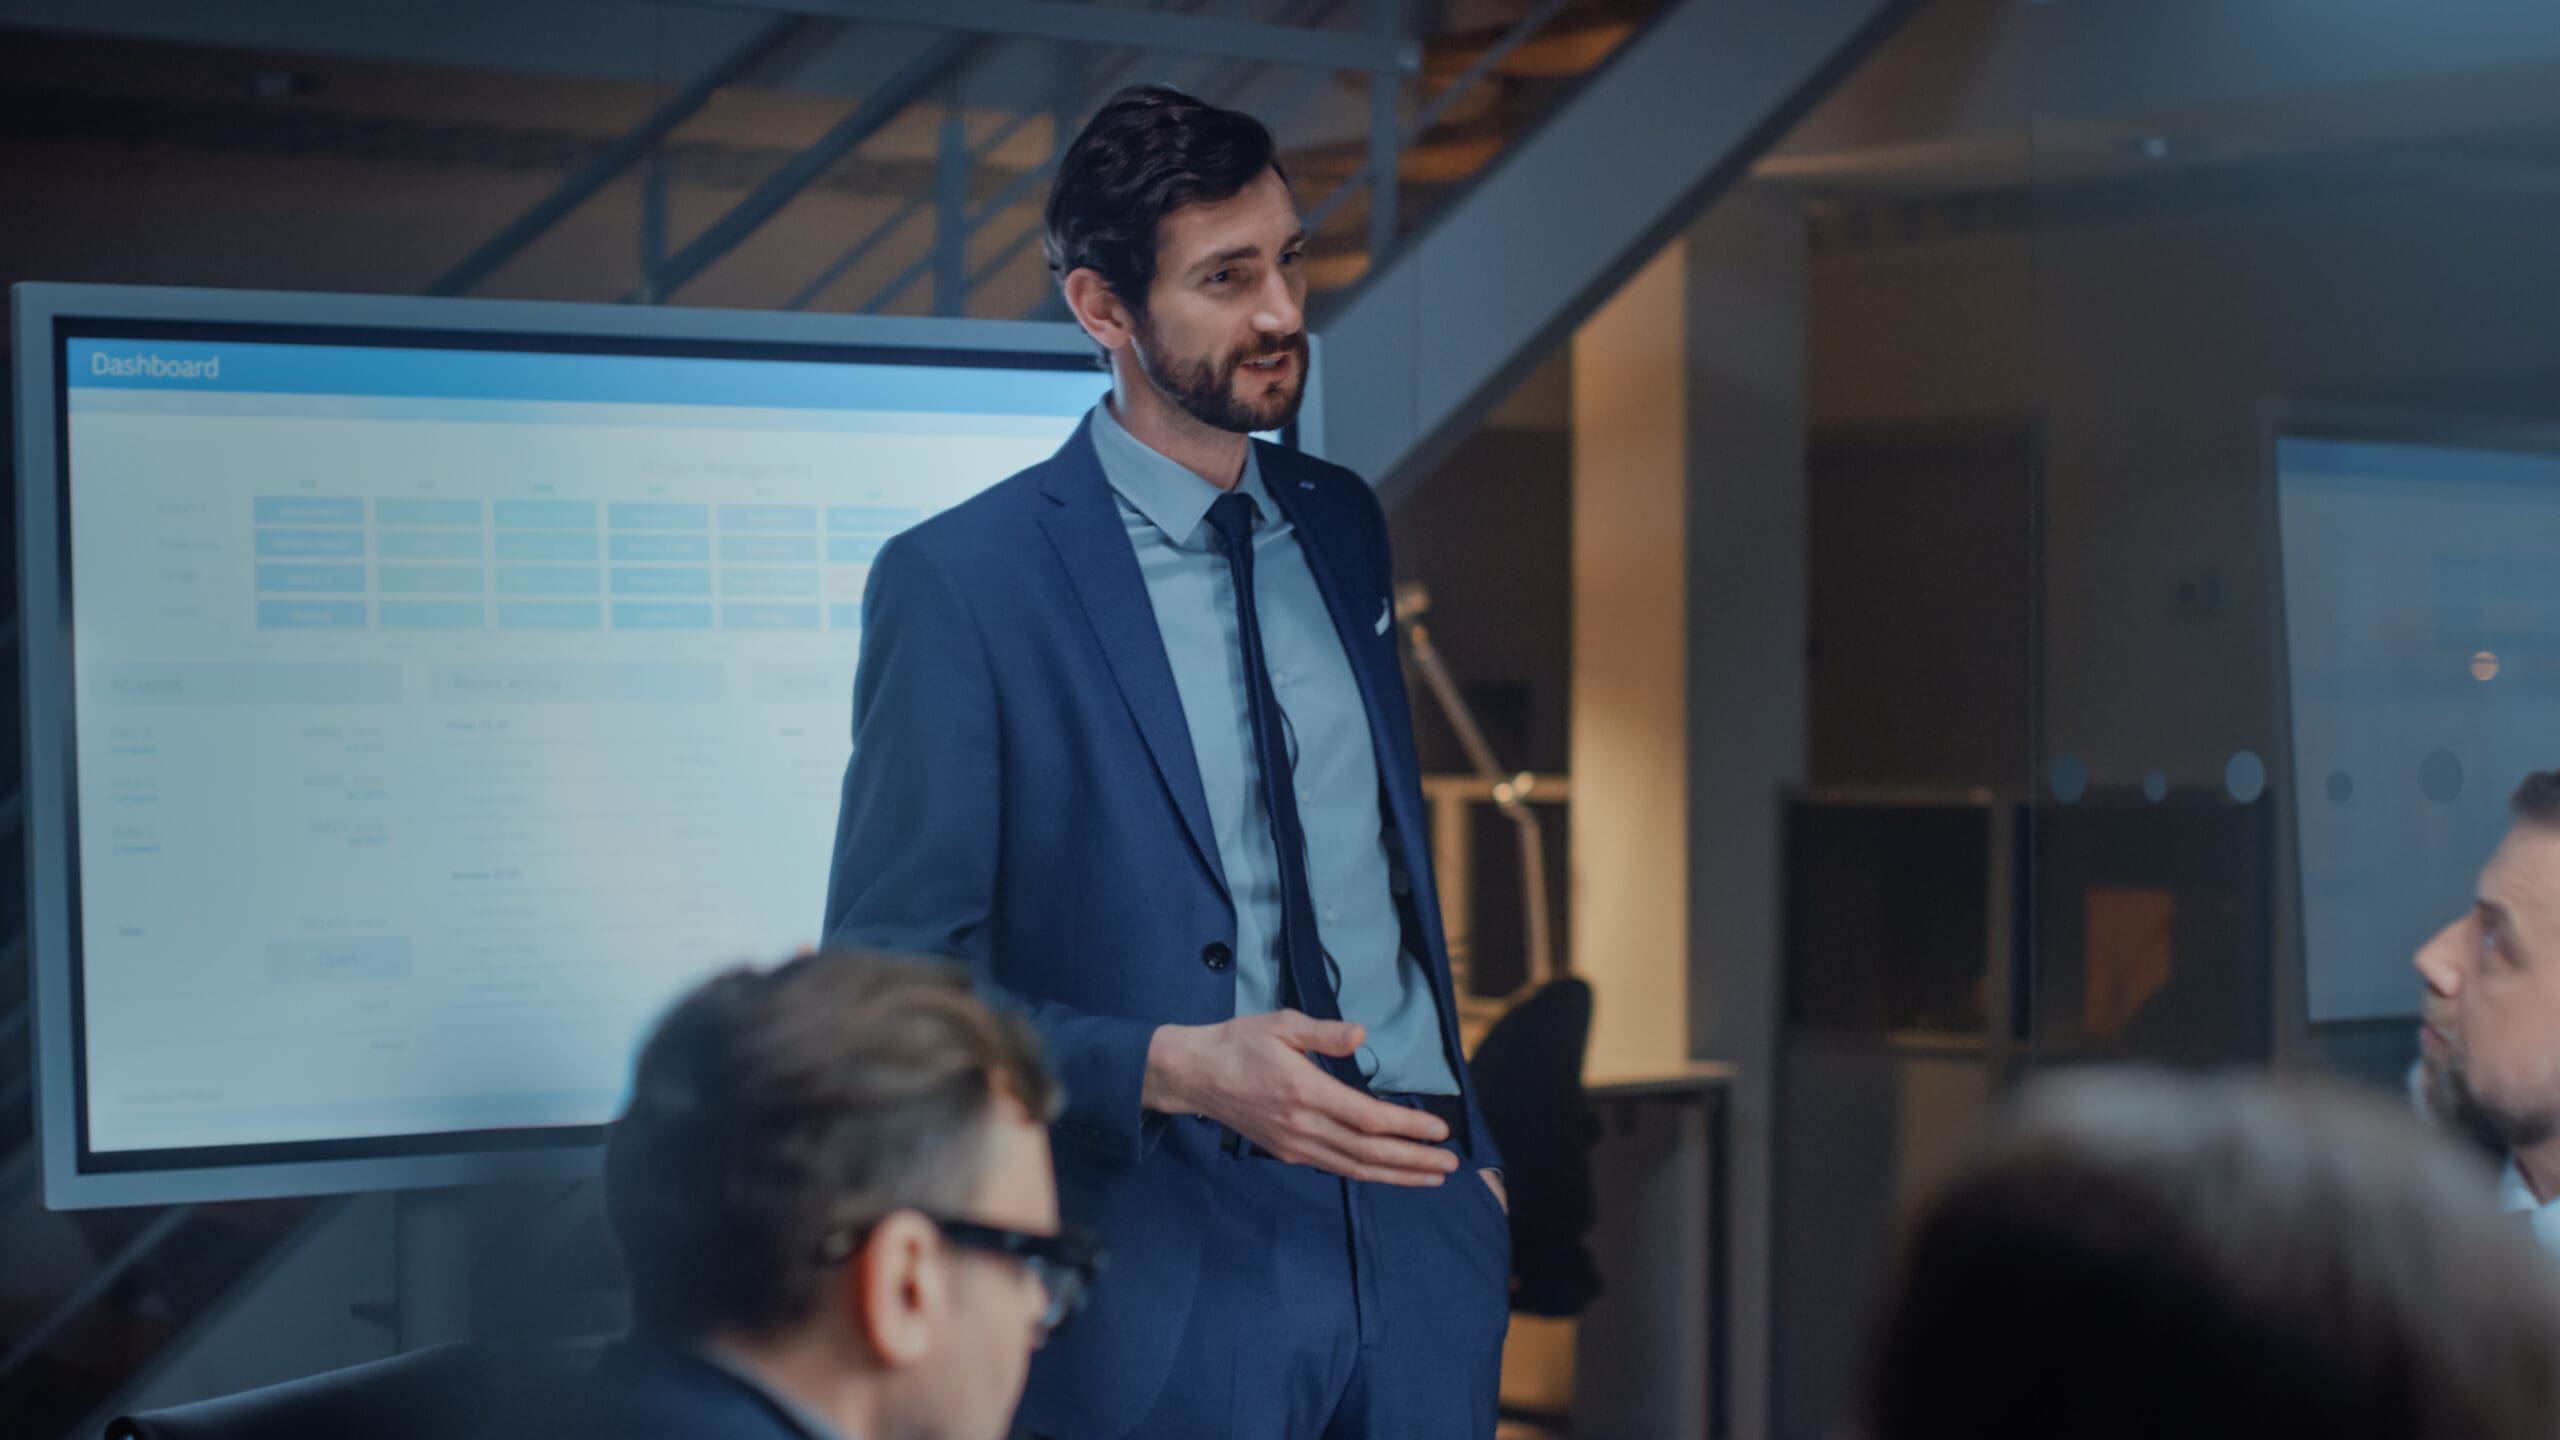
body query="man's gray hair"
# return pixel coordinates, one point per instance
(773, 1107)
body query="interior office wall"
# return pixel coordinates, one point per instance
(1632, 474)
(1921, 586)
(1489, 534)
(2147, 348)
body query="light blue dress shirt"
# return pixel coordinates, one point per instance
(2516, 1197)
(1165, 509)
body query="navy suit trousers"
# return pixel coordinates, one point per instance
(1333, 1309)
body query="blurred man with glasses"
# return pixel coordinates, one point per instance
(832, 1193)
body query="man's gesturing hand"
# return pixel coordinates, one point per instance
(1252, 1074)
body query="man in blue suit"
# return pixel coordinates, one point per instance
(1131, 737)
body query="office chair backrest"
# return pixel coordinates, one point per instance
(444, 1392)
(1528, 1072)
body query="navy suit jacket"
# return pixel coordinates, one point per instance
(1023, 796)
(644, 1391)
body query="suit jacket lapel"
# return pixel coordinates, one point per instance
(1346, 600)
(1093, 545)
(1377, 667)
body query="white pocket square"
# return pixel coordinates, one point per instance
(1386, 615)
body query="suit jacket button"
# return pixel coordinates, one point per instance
(1216, 955)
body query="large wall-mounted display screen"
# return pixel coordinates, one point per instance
(437, 700)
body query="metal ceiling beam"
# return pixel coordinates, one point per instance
(1414, 358)
(598, 172)
(877, 109)
(1152, 30)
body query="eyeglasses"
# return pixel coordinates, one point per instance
(1066, 1264)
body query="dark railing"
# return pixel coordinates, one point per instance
(1127, 68)
(1300, 34)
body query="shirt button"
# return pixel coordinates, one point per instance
(1333, 914)
(1216, 955)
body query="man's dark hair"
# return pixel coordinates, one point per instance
(2217, 1259)
(773, 1106)
(1148, 152)
(2538, 798)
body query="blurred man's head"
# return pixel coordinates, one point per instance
(838, 1168)
(2490, 1045)
(1171, 230)
(2141, 1255)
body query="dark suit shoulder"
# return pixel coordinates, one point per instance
(1334, 484)
(1001, 508)
(1335, 509)
(645, 1392)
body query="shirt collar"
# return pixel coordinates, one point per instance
(2516, 1197)
(1171, 497)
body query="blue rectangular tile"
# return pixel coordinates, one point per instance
(311, 579)
(430, 579)
(382, 958)
(256, 682)
(434, 615)
(769, 617)
(323, 544)
(662, 549)
(769, 549)
(660, 580)
(545, 545)
(413, 510)
(891, 518)
(661, 615)
(310, 614)
(550, 615)
(549, 580)
(769, 582)
(768, 517)
(637, 682)
(309, 510)
(547, 514)
(654, 515)
(427, 545)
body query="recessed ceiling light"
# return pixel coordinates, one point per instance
(275, 82)
(2161, 147)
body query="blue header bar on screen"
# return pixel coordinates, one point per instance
(222, 367)
(2389, 463)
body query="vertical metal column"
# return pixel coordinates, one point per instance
(653, 226)
(1386, 136)
(1068, 106)
(951, 210)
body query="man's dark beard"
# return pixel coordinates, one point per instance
(2451, 1100)
(1204, 388)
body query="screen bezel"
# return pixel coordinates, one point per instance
(45, 319)
(2300, 1034)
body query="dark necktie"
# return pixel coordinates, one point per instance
(1308, 978)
